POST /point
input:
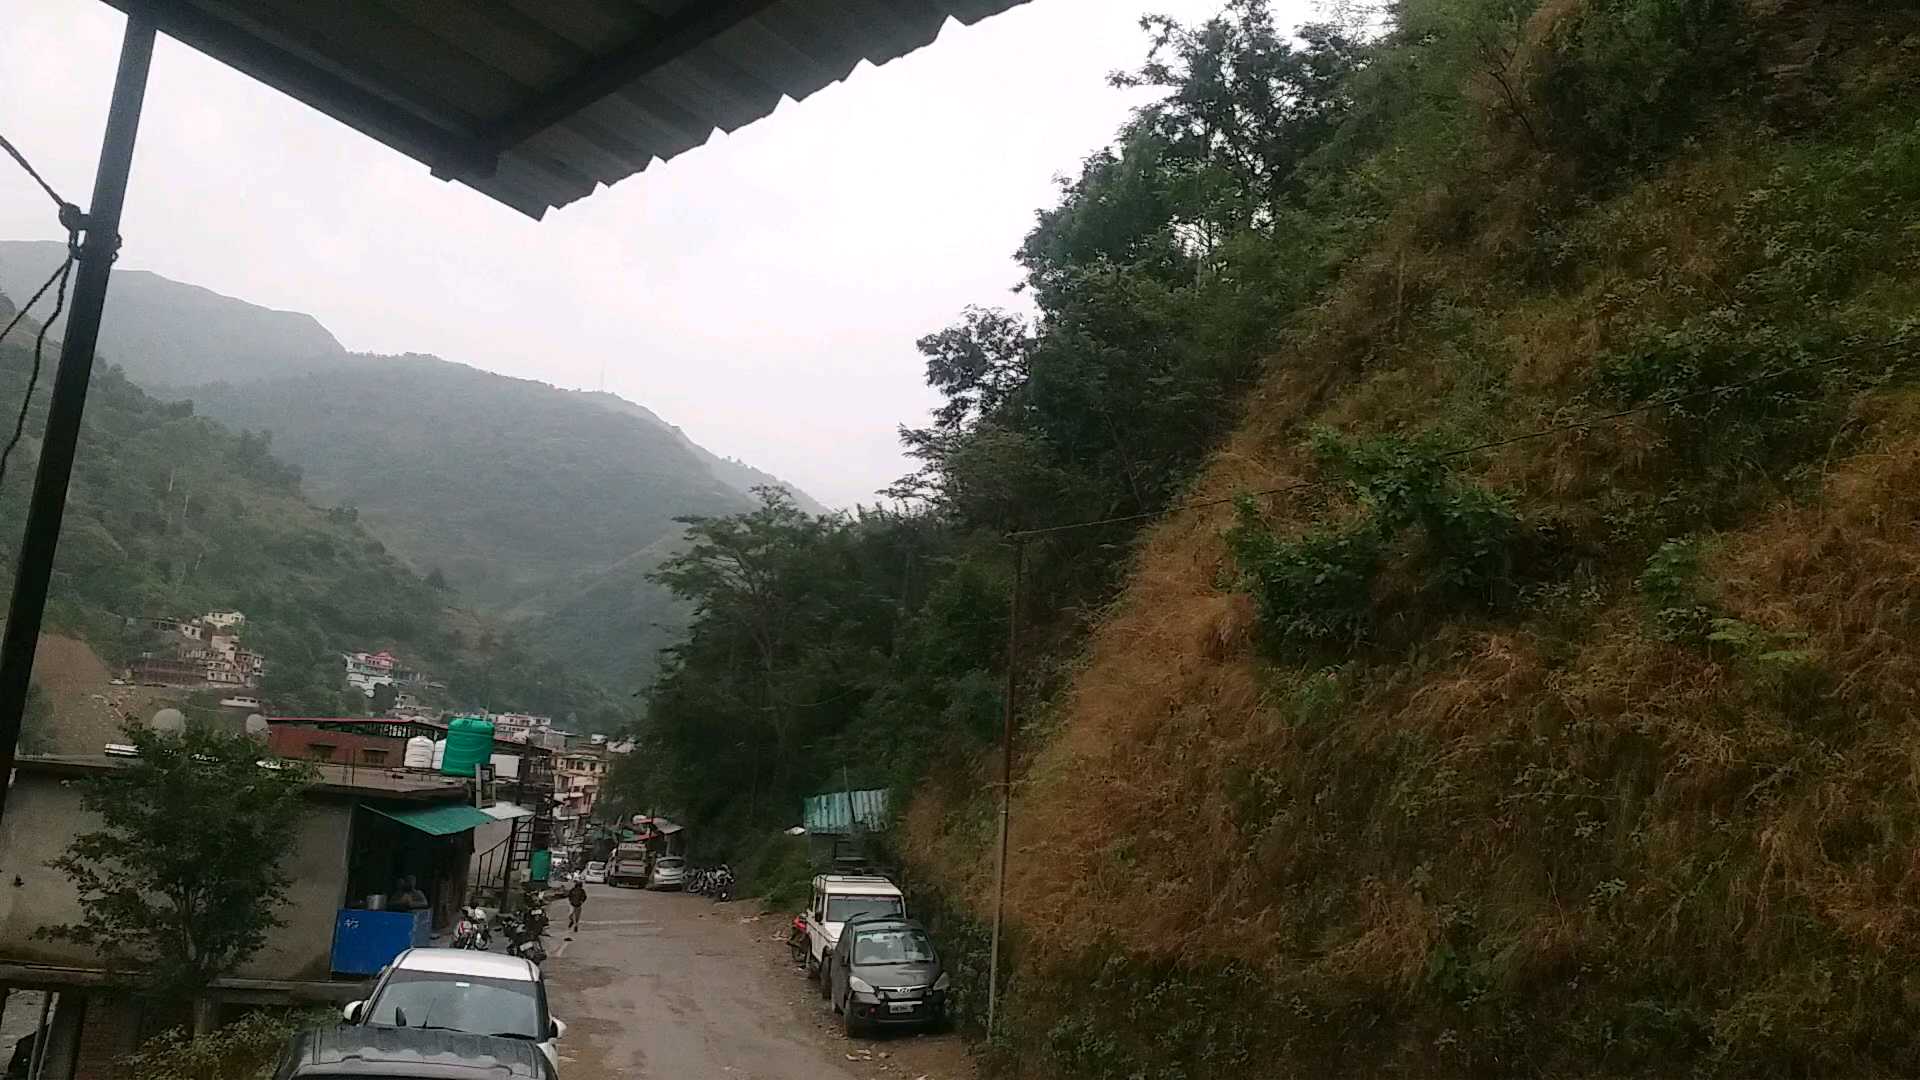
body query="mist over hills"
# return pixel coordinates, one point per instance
(543, 505)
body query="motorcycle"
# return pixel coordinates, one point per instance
(797, 939)
(473, 931)
(523, 937)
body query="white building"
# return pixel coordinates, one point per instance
(366, 671)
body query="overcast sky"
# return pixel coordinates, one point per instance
(763, 291)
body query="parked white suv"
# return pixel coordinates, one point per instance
(839, 899)
(462, 990)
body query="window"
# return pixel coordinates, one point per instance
(474, 1003)
(892, 947)
(320, 751)
(373, 757)
(848, 908)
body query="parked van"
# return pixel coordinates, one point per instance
(628, 868)
(837, 900)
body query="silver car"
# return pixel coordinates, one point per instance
(461, 990)
(669, 872)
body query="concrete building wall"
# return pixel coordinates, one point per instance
(302, 948)
(44, 814)
(349, 747)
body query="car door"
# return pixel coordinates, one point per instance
(816, 928)
(837, 967)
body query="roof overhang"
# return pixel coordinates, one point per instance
(440, 819)
(537, 102)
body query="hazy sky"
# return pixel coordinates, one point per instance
(763, 291)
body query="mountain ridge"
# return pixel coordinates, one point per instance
(539, 503)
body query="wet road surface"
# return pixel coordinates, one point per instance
(663, 985)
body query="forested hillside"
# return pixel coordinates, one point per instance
(531, 500)
(168, 335)
(543, 507)
(1529, 689)
(171, 514)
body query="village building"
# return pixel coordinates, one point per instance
(365, 830)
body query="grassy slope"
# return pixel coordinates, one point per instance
(1543, 839)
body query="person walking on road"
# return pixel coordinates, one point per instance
(577, 896)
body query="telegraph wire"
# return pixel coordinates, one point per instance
(39, 345)
(71, 219)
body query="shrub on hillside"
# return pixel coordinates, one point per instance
(1619, 81)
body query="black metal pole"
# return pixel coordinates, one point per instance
(1006, 781)
(49, 502)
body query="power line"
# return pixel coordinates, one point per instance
(16, 155)
(39, 345)
(1557, 429)
(71, 219)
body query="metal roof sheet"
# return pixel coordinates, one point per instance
(443, 819)
(839, 811)
(538, 102)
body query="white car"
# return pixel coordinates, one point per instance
(594, 874)
(669, 872)
(462, 990)
(839, 899)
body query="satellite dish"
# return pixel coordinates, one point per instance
(169, 722)
(256, 724)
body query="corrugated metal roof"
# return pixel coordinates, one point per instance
(537, 102)
(442, 819)
(837, 811)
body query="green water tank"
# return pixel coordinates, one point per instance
(469, 743)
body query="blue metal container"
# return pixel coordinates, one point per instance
(366, 941)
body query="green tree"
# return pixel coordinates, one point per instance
(180, 882)
(384, 695)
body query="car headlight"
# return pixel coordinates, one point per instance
(944, 982)
(858, 985)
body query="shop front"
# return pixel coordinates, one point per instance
(406, 880)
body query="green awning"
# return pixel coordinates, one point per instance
(437, 819)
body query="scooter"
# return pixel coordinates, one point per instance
(523, 938)
(472, 931)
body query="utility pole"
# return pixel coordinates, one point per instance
(1006, 780)
(95, 237)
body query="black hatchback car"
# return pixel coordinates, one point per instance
(357, 1051)
(884, 972)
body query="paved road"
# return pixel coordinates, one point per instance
(661, 986)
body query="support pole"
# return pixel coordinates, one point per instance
(42, 1035)
(1006, 781)
(49, 501)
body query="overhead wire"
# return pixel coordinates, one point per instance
(71, 219)
(15, 154)
(39, 344)
(1581, 424)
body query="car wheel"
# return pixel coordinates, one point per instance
(835, 1002)
(826, 982)
(812, 966)
(848, 1024)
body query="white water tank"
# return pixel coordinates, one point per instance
(419, 753)
(439, 752)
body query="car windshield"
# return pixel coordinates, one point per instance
(848, 908)
(471, 1003)
(672, 864)
(892, 947)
